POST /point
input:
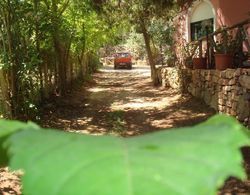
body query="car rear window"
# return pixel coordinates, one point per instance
(122, 55)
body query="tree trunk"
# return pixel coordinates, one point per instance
(59, 50)
(79, 71)
(46, 80)
(61, 66)
(36, 6)
(8, 19)
(4, 84)
(150, 54)
(5, 95)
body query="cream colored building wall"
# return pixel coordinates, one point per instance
(201, 11)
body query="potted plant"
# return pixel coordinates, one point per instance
(199, 63)
(190, 50)
(225, 48)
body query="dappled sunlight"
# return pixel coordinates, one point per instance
(137, 71)
(124, 102)
(98, 89)
(144, 103)
(84, 120)
(163, 123)
(171, 121)
(90, 130)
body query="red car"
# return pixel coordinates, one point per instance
(123, 60)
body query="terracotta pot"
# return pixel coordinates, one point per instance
(200, 63)
(223, 61)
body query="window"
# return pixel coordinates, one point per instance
(123, 55)
(200, 28)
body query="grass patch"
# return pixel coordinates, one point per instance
(116, 120)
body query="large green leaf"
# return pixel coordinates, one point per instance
(7, 128)
(185, 161)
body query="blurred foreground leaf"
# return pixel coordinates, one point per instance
(7, 128)
(194, 160)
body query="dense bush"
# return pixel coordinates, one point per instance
(44, 47)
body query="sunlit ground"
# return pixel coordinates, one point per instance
(124, 102)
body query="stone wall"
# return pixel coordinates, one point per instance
(226, 91)
(170, 77)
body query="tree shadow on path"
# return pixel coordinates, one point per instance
(129, 94)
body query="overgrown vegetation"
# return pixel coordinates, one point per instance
(116, 119)
(152, 19)
(46, 45)
(182, 161)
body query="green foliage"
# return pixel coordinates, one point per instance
(44, 43)
(43, 48)
(193, 160)
(226, 43)
(161, 31)
(136, 44)
(6, 129)
(116, 120)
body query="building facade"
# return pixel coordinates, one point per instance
(214, 14)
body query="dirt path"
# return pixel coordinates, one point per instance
(124, 102)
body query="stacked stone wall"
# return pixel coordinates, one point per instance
(170, 77)
(226, 91)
